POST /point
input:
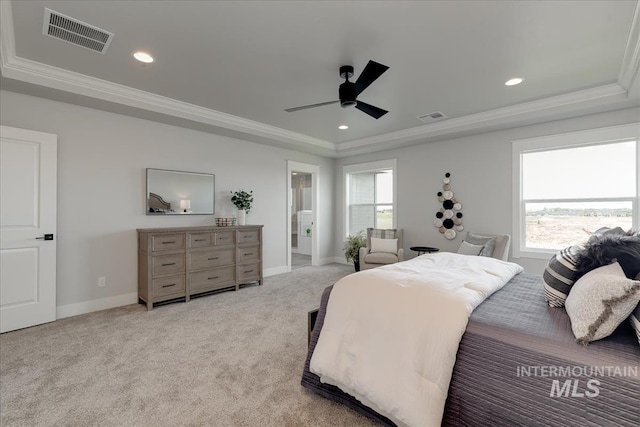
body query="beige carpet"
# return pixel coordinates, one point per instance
(230, 359)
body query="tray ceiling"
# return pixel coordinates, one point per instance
(234, 67)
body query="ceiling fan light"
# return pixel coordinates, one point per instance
(348, 104)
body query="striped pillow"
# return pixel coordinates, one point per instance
(635, 321)
(558, 276)
(635, 317)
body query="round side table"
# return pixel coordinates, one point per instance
(423, 249)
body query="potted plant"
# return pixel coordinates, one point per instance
(308, 230)
(242, 200)
(352, 248)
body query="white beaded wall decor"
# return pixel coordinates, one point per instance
(448, 218)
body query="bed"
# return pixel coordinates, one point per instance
(518, 364)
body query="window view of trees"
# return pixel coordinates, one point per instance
(572, 185)
(558, 227)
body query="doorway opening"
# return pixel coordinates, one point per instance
(301, 219)
(302, 215)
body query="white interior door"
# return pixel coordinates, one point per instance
(28, 185)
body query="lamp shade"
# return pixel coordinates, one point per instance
(185, 204)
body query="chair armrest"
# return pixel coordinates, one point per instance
(401, 254)
(362, 253)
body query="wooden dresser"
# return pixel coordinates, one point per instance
(175, 263)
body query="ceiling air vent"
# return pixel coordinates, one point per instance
(432, 117)
(76, 32)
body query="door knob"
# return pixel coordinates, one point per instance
(45, 237)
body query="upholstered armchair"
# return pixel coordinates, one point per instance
(383, 247)
(496, 244)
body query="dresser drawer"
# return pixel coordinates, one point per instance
(249, 272)
(248, 254)
(199, 240)
(167, 264)
(211, 258)
(169, 285)
(248, 236)
(167, 241)
(210, 280)
(179, 262)
(221, 238)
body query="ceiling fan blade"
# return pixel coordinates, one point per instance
(371, 72)
(304, 107)
(371, 110)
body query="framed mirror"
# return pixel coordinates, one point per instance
(172, 192)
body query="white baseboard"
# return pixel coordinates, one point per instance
(274, 270)
(336, 260)
(69, 310)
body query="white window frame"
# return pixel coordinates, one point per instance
(599, 136)
(369, 167)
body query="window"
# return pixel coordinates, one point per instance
(567, 186)
(370, 196)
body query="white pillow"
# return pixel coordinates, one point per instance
(599, 301)
(389, 246)
(467, 248)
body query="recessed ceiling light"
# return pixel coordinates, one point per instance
(343, 127)
(514, 81)
(143, 57)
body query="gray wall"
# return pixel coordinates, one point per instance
(102, 159)
(480, 167)
(101, 188)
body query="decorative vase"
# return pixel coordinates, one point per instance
(242, 216)
(356, 264)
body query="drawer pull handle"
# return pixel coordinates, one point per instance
(248, 271)
(170, 263)
(248, 253)
(168, 243)
(200, 240)
(168, 286)
(213, 278)
(211, 259)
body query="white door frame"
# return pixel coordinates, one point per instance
(314, 170)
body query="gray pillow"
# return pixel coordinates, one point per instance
(488, 243)
(467, 248)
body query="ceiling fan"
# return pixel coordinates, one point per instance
(349, 91)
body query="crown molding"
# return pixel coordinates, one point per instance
(36, 73)
(588, 100)
(501, 116)
(630, 68)
(25, 70)
(7, 34)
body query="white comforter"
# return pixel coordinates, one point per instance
(391, 334)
